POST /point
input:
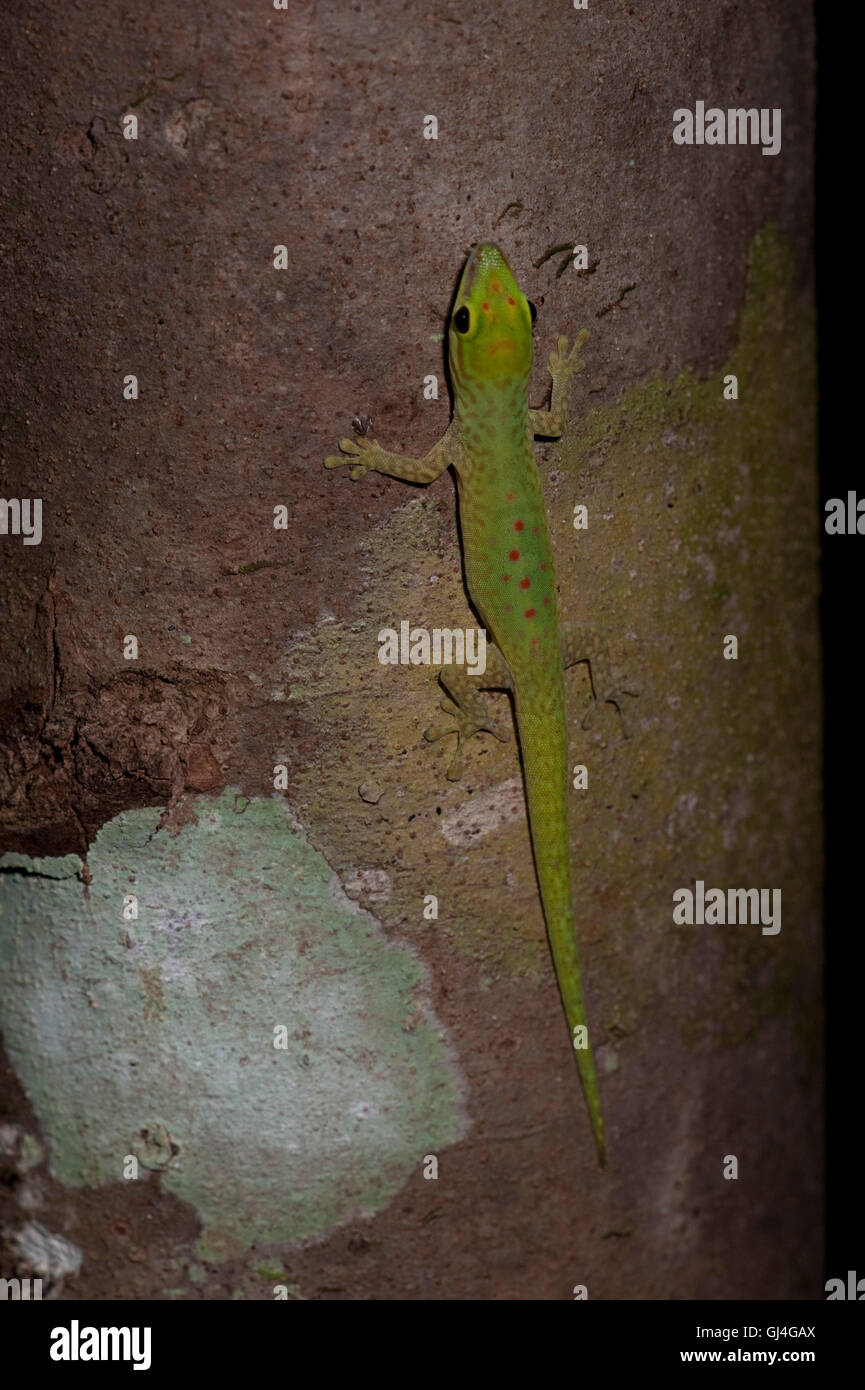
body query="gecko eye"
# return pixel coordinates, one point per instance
(461, 319)
(532, 310)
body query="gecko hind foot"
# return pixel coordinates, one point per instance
(465, 727)
(614, 697)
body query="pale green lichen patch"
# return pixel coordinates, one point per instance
(155, 1037)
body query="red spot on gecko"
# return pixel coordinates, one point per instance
(505, 578)
(534, 641)
(547, 599)
(513, 554)
(525, 583)
(530, 612)
(511, 299)
(495, 286)
(510, 497)
(519, 525)
(543, 567)
(485, 305)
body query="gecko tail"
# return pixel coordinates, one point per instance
(586, 1065)
(565, 957)
(544, 748)
(552, 863)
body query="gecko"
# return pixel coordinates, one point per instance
(512, 585)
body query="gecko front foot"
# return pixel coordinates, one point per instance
(550, 424)
(466, 726)
(564, 364)
(363, 449)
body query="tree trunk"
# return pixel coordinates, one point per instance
(267, 975)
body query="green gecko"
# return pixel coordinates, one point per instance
(511, 582)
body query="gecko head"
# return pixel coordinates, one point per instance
(490, 330)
